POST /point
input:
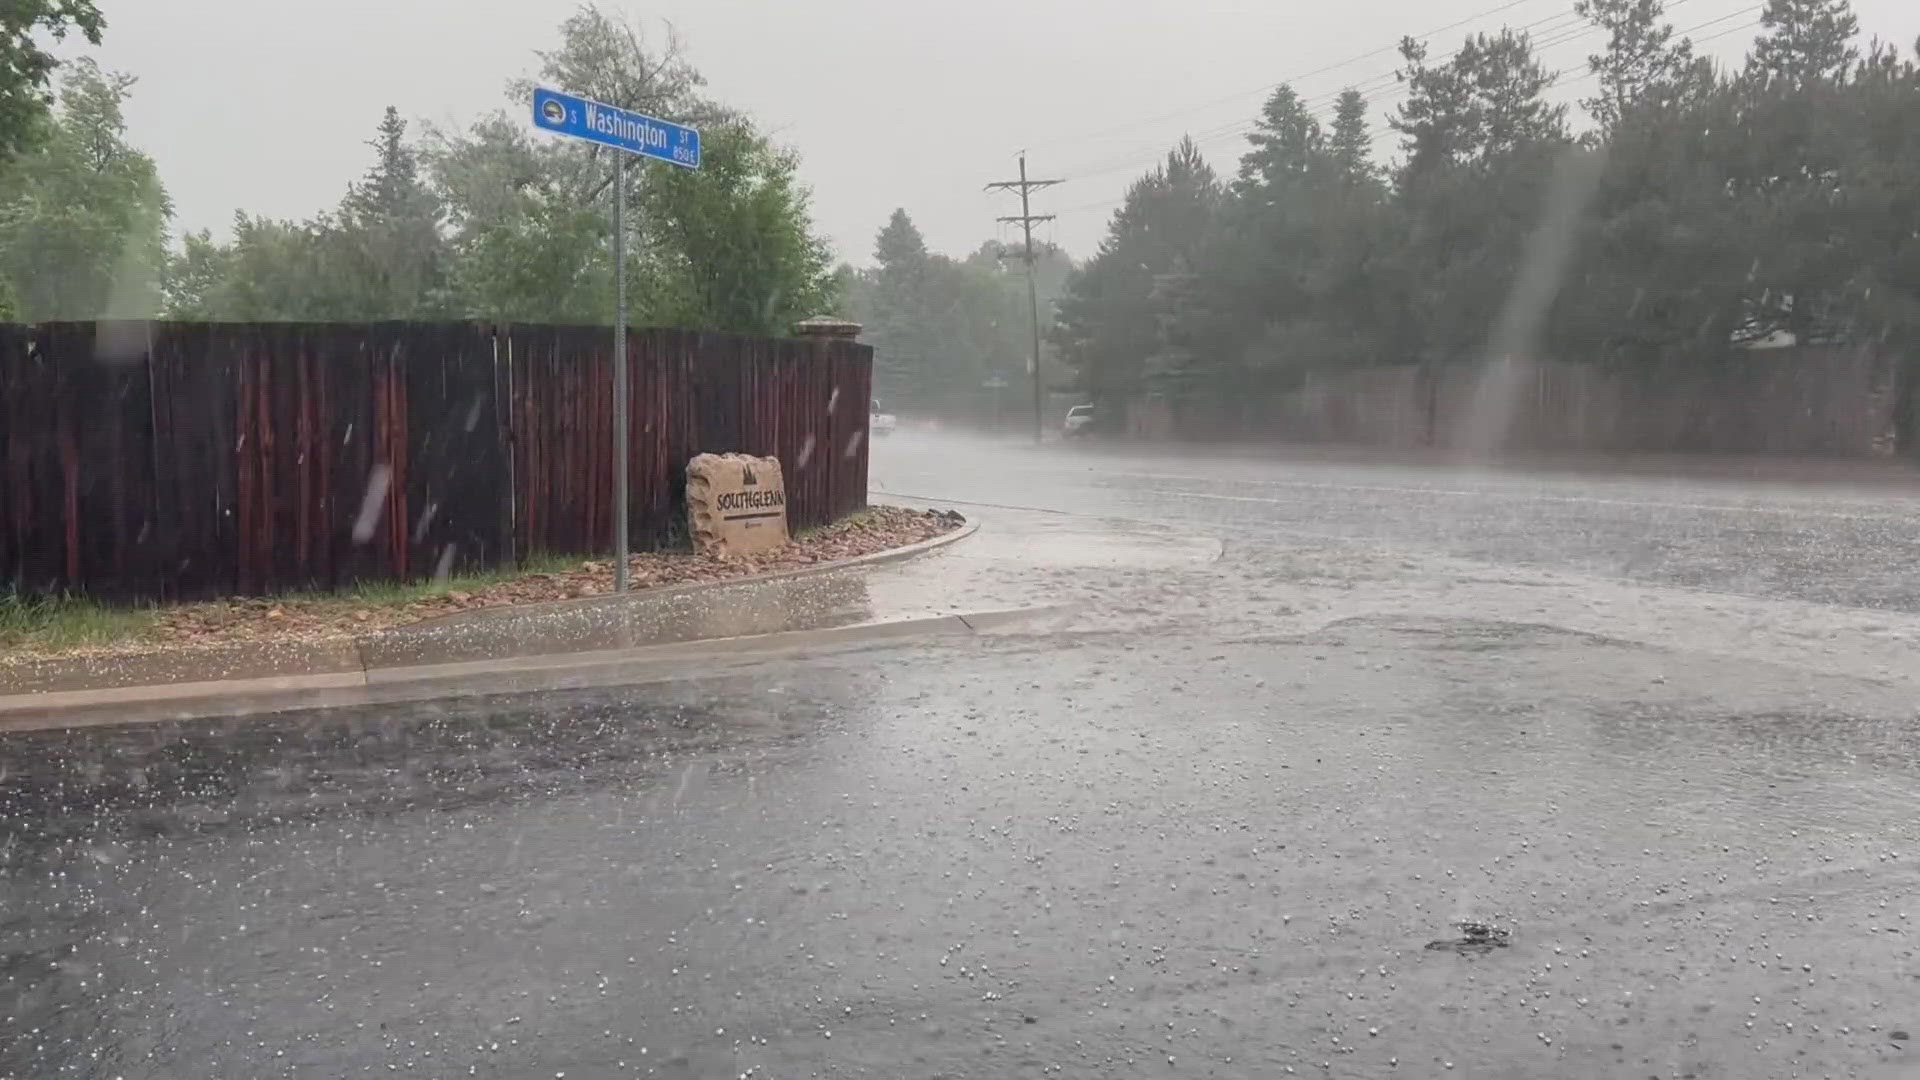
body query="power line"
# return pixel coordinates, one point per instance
(1568, 78)
(1389, 81)
(1729, 30)
(1567, 26)
(1026, 219)
(1185, 109)
(1565, 19)
(1560, 80)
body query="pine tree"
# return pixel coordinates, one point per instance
(1111, 320)
(1286, 141)
(389, 224)
(1484, 103)
(392, 186)
(900, 327)
(1351, 144)
(1805, 41)
(1643, 64)
(899, 248)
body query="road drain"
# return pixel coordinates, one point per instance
(1475, 939)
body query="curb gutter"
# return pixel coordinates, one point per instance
(373, 686)
(151, 675)
(870, 559)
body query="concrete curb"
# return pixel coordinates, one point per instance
(870, 559)
(374, 686)
(250, 664)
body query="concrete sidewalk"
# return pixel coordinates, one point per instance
(507, 674)
(1024, 570)
(230, 678)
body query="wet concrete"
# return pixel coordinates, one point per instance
(249, 660)
(1210, 826)
(626, 622)
(769, 605)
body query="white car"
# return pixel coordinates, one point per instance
(1079, 420)
(880, 423)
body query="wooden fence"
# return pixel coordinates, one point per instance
(176, 460)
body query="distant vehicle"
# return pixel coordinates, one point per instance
(880, 423)
(1080, 421)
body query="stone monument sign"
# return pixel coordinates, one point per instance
(736, 504)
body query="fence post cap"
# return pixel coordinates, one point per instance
(827, 326)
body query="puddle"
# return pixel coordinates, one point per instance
(1476, 939)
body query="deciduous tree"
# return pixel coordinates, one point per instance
(27, 66)
(83, 214)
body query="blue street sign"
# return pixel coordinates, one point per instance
(630, 131)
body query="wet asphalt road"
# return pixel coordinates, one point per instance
(1186, 835)
(1837, 542)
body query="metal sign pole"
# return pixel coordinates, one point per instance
(627, 133)
(620, 447)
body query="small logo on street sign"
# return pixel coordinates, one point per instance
(636, 133)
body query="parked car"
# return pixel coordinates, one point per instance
(879, 422)
(1081, 420)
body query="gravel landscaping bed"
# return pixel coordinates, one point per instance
(322, 617)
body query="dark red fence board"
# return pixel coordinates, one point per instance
(455, 452)
(34, 529)
(170, 460)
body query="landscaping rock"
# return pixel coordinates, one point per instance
(324, 618)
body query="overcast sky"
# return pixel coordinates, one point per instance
(265, 105)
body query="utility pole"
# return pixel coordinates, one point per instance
(1026, 219)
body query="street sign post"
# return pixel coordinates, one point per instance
(636, 133)
(631, 133)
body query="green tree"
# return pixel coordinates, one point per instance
(526, 242)
(279, 271)
(197, 277)
(1792, 150)
(1286, 141)
(1805, 41)
(1005, 260)
(1289, 277)
(1487, 101)
(942, 328)
(389, 230)
(729, 246)
(26, 67)
(611, 59)
(899, 249)
(1706, 213)
(1350, 143)
(1880, 214)
(381, 255)
(1662, 256)
(897, 313)
(1643, 64)
(1480, 139)
(733, 244)
(1113, 327)
(83, 215)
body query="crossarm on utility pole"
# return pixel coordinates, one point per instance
(1026, 218)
